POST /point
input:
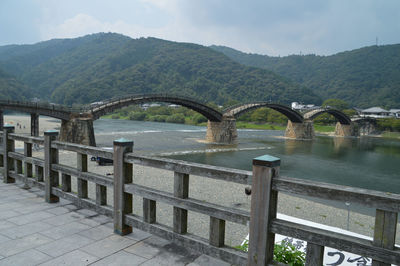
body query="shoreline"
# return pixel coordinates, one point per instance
(272, 127)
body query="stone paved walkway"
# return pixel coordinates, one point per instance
(33, 232)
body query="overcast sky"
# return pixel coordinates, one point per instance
(272, 27)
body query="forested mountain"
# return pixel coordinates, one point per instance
(364, 77)
(105, 65)
(12, 89)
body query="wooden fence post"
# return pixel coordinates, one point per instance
(181, 190)
(82, 185)
(384, 232)
(66, 182)
(8, 145)
(50, 157)
(314, 254)
(217, 232)
(101, 195)
(1, 125)
(122, 175)
(263, 210)
(27, 166)
(39, 173)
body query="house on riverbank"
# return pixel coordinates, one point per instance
(375, 112)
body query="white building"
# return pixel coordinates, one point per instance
(395, 112)
(301, 107)
(375, 112)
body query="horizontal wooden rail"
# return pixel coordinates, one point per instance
(217, 211)
(27, 139)
(230, 255)
(366, 197)
(327, 238)
(92, 177)
(89, 150)
(83, 202)
(215, 172)
(31, 160)
(29, 181)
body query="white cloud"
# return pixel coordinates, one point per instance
(260, 27)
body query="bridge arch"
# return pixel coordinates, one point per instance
(239, 110)
(113, 104)
(339, 115)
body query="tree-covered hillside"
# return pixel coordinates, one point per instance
(12, 89)
(101, 66)
(364, 77)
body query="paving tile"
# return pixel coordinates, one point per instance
(31, 217)
(10, 206)
(71, 207)
(21, 244)
(172, 254)
(24, 230)
(87, 212)
(26, 258)
(138, 234)
(64, 245)
(108, 246)
(205, 260)
(120, 258)
(90, 222)
(64, 218)
(7, 214)
(102, 219)
(97, 233)
(65, 230)
(13, 198)
(75, 258)
(35, 207)
(143, 249)
(58, 210)
(4, 239)
(6, 224)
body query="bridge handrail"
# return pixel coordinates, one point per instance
(53, 106)
(142, 95)
(230, 108)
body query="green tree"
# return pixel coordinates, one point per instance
(260, 115)
(176, 118)
(336, 104)
(139, 116)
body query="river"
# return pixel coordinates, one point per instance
(366, 162)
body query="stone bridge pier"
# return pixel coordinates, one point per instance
(304, 130)
(343, 130)
(78, 129)
(224, 132)
(34, 124)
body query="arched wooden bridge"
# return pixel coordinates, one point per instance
(82, 118)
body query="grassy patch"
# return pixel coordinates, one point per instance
(323, 128)
(259, 126)
(391, 135)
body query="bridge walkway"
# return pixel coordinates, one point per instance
(33, 232)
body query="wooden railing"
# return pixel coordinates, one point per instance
(266, 184)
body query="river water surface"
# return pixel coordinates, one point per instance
(366, 162)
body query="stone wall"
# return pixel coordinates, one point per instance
(303, 130)
(78, 130)
(222, 132)
(342, 130)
